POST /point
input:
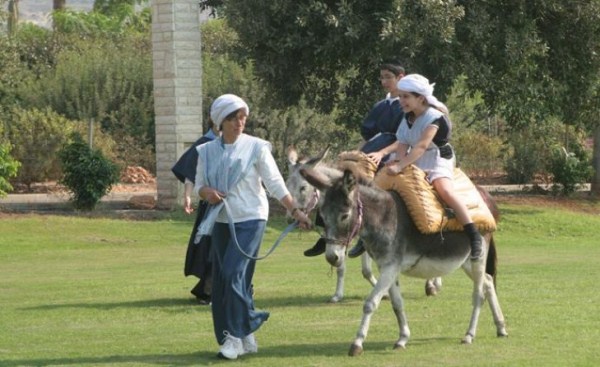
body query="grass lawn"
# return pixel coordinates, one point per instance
(78, 291)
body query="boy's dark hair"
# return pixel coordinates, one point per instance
(394, 66)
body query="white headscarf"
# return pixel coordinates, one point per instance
(224, 105)
(419, 84)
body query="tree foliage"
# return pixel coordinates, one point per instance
(533, 59)
(329, 51)
(308, 129)
(8, 169)
(36, 136)
(530, 60)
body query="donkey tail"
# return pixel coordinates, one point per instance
(492, 260)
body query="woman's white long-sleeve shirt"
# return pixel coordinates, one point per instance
(248, 199)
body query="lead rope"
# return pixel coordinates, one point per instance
(283, 234)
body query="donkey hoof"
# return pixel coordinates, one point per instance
(430, 291)
(335, 299)
(468, 339)
(502, 334)
(355, 350)
(400, 346)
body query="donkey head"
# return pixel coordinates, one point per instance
(340, 209)
(302, 192)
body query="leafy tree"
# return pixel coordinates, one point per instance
(530, 59)
(309, 130)
(329, 52)
(534, 60)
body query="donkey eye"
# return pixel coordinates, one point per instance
(302, 189)
(344, 217)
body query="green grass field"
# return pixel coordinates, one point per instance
(80, 291)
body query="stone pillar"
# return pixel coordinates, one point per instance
(177, 68)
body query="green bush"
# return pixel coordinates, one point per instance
(534, 151)
(524, 157)
(36, 136)
(478, 154)
(568, 170)
(87, 173)
(108, 81)
(8, 168)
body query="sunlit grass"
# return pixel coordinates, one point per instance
(97, 292)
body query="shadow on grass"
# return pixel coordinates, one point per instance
(266, 303)
(148, 303)
(203, 358)
(188, 359)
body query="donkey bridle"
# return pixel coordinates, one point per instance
(355, 227)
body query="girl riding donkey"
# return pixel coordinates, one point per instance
(423, 138)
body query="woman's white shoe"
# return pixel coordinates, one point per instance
(231, 348)
(249, 344)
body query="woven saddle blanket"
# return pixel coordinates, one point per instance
(357, 162)
(424, 205)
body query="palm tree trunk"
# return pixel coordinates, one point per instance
(59, 4)
(595, 189)
(13, 16)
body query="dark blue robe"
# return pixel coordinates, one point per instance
(197, 259)
(383, 119)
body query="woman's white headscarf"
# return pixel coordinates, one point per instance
(224, 105)
(419, 84)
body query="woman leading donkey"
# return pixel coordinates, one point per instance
(230, 174)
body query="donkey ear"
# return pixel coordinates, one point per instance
(324, 154)
(315, 178)
(349, 181)
(314, 161)
(292, 155)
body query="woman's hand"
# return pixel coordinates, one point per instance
(187, 205)
(213, 196)
(302, 218)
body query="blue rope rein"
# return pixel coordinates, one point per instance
(283, 234)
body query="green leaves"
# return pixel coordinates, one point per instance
(87, 173)
(8, 168)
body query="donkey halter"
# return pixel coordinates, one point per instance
(355, 228)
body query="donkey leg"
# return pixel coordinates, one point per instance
(475, 270)
(367, 269)
(339, 286)
(433, 286)
(492, 297)
(387, 277)
(398, 307)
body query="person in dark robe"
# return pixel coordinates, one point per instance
(197, 258)
(378, 131)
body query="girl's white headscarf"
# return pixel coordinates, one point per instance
(419, 84)
(224, 105)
